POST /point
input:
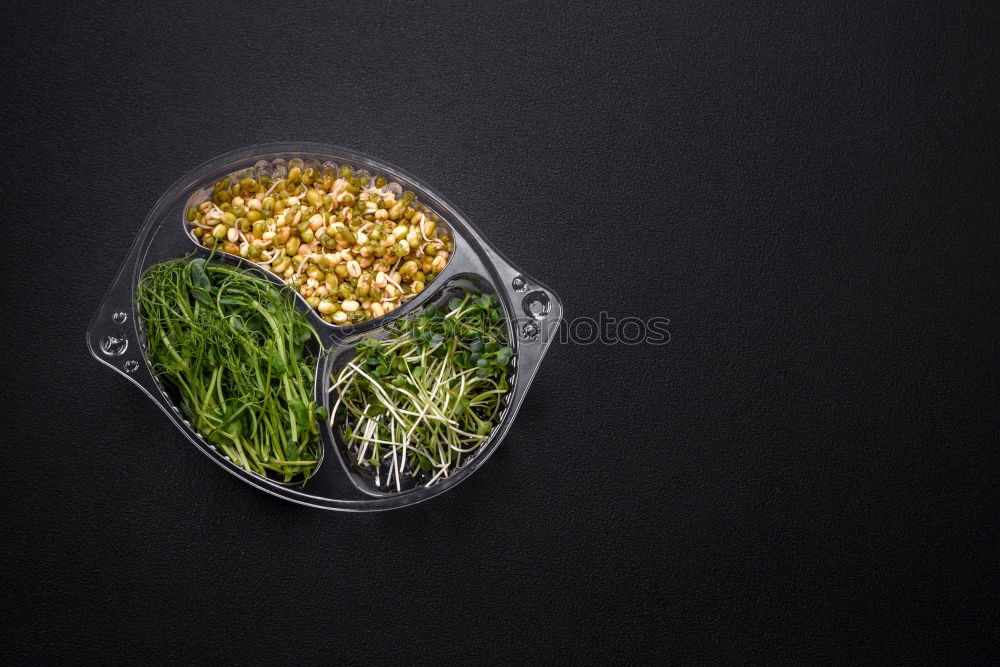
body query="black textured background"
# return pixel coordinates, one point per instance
(807, 471)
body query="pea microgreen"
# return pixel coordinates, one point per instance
(235, 350)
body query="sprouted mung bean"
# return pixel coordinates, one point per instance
(411, 409)
(354, 247)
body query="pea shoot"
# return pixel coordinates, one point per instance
(236, 352)
(413, 407)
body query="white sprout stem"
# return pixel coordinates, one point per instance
(395, 463)
(378, 389)
(277, 253)
(305, 259)
(273, 186)
(443, 471)
(367, 437)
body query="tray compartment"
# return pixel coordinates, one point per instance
(276, 169)
(169, 397)
(365, 478)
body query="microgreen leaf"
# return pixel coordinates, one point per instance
(300, 410)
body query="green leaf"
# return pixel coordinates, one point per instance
(198, 274)
(201, 296)
(277, 363)
(256, 322)
(201, 285)
(300, 411)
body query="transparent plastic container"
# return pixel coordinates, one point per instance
(115, 336)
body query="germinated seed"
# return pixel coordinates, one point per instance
(354, 251)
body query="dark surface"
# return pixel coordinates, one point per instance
(808, 470)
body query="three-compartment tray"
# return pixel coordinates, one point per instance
(115, 336)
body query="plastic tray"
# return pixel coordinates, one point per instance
(115, 336)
